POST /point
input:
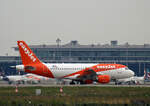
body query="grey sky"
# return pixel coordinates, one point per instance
(88, 21)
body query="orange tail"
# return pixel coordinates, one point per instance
(27, 56)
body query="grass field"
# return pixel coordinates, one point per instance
(74, 96)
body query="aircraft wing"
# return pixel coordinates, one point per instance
(88, 74)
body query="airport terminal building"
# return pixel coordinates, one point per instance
(136, 57)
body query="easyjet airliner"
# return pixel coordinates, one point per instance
(83, 73)
(17, 79)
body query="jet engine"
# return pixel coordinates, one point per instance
(103, 79)
(18, 67)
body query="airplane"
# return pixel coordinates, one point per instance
(134, 79)
(147, 74)
(82, 73)
(131, 80)
(27, 78)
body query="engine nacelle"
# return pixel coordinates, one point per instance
(20, 67)
(103, 79)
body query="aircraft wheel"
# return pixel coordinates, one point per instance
(72, 83)
(116, 83)
(9, 82)
(23, 82)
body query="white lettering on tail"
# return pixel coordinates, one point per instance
(27, 52)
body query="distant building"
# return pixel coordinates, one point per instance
(136, 57)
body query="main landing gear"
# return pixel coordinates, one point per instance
(72, 82)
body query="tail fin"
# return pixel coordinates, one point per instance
(148, 74)
(145, 74)
(27, 56)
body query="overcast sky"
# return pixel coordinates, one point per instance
(88, 21)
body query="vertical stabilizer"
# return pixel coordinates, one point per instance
(27, 56)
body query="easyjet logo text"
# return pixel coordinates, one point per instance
(27, 52)
(106, 67)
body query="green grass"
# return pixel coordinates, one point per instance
(74, 95)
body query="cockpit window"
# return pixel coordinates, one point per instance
(126, 68)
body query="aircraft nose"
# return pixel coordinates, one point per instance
(132, 73)
(1, 77)
(5, 78)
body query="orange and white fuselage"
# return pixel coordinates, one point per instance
(71, 71)
(74, 71)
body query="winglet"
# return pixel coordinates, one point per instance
(27, 56)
